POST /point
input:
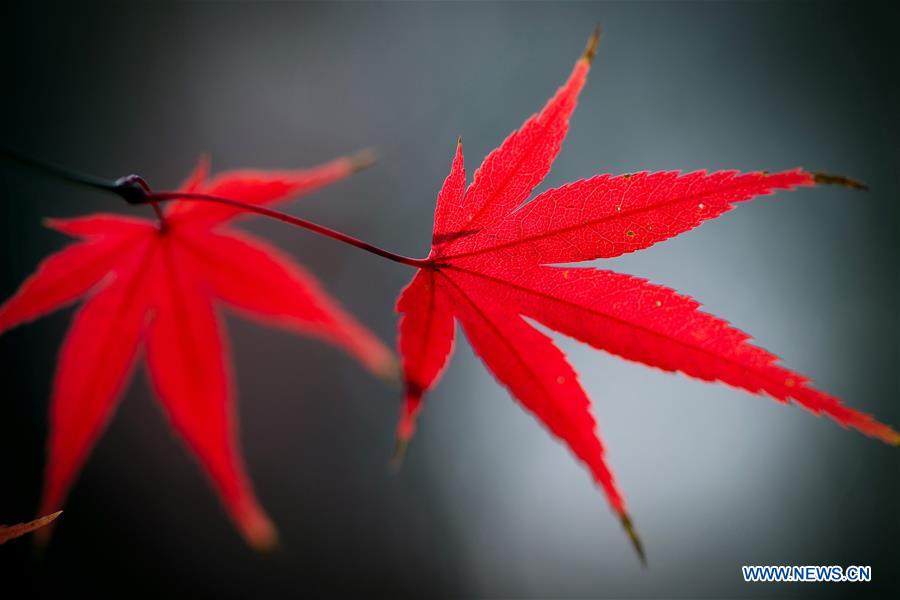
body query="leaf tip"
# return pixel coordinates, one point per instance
(398, 455)
(363, 160)
(263, 538)
(50, 223)
(38, 526)
(628, 525)
(590, 48)
(388, 369)
(828, 179)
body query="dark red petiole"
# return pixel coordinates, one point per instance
(134, 190)
(154, 197)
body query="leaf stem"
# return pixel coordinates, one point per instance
(134, 190)
(291, 220)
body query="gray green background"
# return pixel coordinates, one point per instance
(488, 504)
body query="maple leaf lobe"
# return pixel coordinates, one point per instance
(145, 286)
(491, 265)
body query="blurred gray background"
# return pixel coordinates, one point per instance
(488, 504)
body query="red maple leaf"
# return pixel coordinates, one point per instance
(157, 286)
(489, 267)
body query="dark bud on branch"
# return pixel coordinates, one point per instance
(133, 189)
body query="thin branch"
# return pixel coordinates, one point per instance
(63, 173)
(134, 190)
(290, 219)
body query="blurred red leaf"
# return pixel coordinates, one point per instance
(488, 268)
(11, 532)
(158, 288)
